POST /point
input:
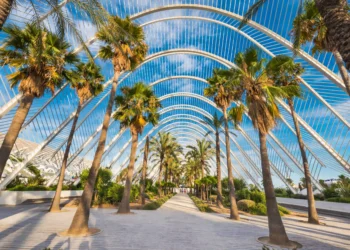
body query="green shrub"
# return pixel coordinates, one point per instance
(245, 205)
(319, 197)
(23, 187)
(258, 196)
(283, 210)
(281, 192)
(201, 205)
(259, 209)
(134, 193)
(158, 203)
(243, 194)
(330, 192)
(37, 180)
(339, 199)
(115, 194)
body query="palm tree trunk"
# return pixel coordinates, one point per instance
(233, 204)
(313, 217)
(55, 205)
(337, 21)
(342, 70)
(5, 9)
(160, 178)
(124, 206)
(202, 185)
(277, 231)
(80, 221)
(166, 178)
(14, 129)
(218, 169)
(144, 172)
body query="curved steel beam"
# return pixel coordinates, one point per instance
(308, 86)
(198, 120)
(306, 126)
(315, 63)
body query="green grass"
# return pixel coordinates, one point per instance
(201, 205)
(154, 205)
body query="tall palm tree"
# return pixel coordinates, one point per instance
(191, 171)
(335, 14)
(125, 50)
(308, 27)
(260, 94)
(144, 172)
(172, 160)
(203, 151)
(136, 107)
(37, 70)
(285, 72)
(159, 146)
(63, 23)
(216, 123)
(224, 95)
(86, 80)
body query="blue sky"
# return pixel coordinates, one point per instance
(222, 41)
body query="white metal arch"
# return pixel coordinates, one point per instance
(329, 74)
(235, 143)
(154, 56)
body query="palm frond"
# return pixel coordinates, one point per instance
(251, 12)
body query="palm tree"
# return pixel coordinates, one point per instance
(285, 72)
(121, 177)
(191, 171)
(171, 161)
(125, 50)
(86, 80)
(224, 95)
(144, 172)
(308, 27)
(136, 107)
(37, 70)
(203, 151)
(159, 146)
(254, 86)
(63, 23)
(217, 123)
(335, 14)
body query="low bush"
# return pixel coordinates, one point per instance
(281, 192)
(134, 193)
(258, 196)
(22, 187)
(243, 194)
(201, 205)
(258, 209)
(245, 205)
(115, 194)
(283, 210)
(339, 199)
(158, 203)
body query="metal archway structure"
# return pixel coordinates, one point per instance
(255, 33)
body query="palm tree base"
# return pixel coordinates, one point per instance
(315, 222)
(288, 245)
(57, 211)
(82, 233)
(125, 213)
(233, 218)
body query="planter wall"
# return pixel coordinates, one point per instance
(12, 198)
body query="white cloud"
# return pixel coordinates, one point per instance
(187, 63)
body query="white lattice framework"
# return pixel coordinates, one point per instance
(187, 39)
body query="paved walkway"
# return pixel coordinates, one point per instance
(324, 206)
(176, 225)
